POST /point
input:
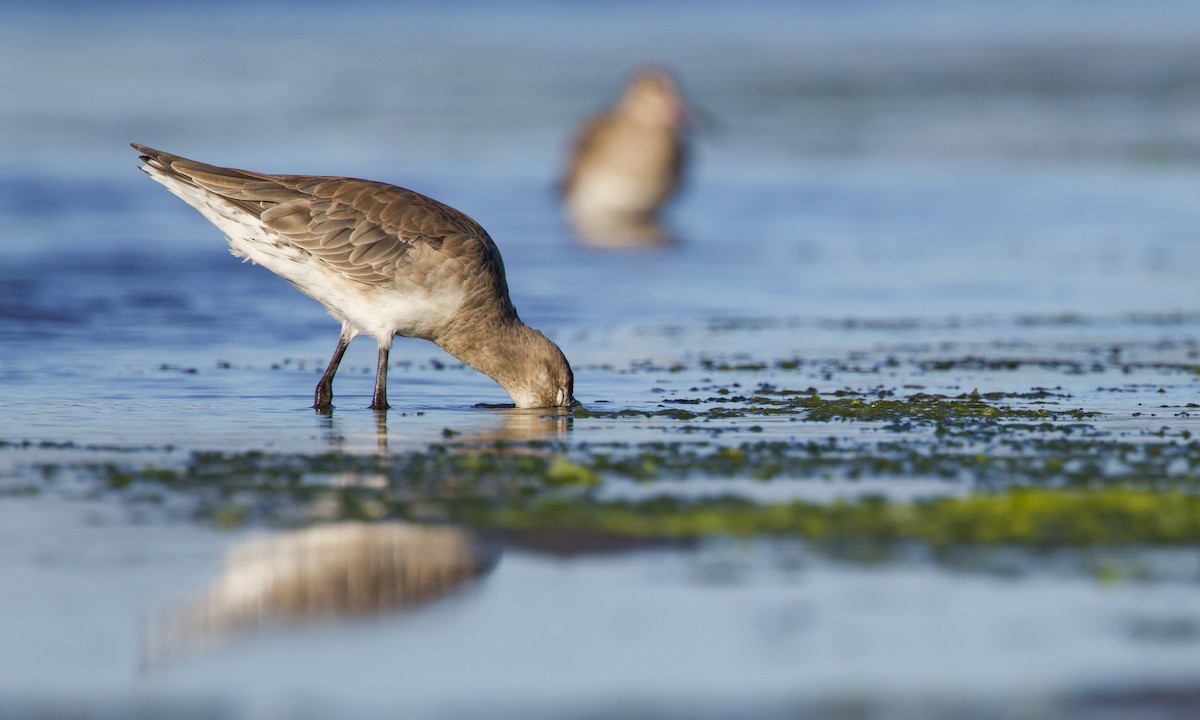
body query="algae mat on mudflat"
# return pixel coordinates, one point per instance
(998, 467)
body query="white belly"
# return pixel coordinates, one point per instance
(609, 192)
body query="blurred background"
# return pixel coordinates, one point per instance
(857, 153)
(870, 174)
(412, 88)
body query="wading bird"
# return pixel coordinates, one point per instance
(627, 161)
(383, 260)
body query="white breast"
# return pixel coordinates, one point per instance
(607, 191)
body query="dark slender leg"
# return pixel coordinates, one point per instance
(323, 397)
(379, 399)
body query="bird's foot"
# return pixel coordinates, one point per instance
(323, 399)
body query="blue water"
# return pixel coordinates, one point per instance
(917, 179)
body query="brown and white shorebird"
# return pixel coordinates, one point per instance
(627, 161)
(383, 260)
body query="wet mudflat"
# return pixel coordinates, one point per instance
(902, 423)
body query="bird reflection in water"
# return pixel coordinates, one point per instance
(348, 570)
(525, 426)
(507, 425)
(618, 233)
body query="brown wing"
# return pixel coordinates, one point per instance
(365, 230)
(585, 145)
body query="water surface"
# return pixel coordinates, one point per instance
(930, 198)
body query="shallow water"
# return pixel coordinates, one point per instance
(937, 199)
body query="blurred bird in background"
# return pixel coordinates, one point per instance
(627, 162)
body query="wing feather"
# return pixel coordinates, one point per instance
(335, 240)
(363, 230)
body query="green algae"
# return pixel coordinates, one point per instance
(562, 471)
(1033, 490)
(230, 517)
(1074, 457)
(1019, 516)
(900, 414)
(1019, 467)
(26, 444)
